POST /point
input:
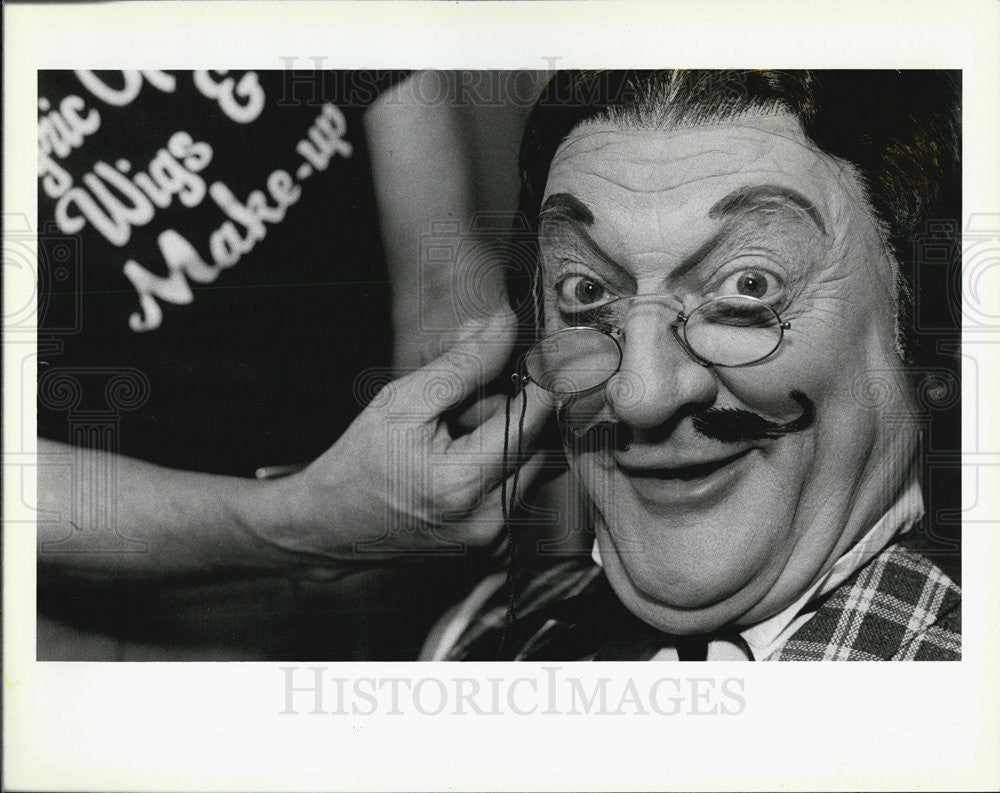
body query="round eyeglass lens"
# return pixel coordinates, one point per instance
(573, 360)
(733, 331)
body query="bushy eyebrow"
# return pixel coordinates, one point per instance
(565, 207)
(570, 209)
(767, 196)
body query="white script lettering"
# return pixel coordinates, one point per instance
(326, 138)
(59, 132)
(227, 245)
(132, 84)
(182, 259)
(115, 214)
(227, 92)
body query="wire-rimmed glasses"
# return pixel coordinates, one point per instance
(728, 331)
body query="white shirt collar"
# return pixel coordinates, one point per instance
(767, 637)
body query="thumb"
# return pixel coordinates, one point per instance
(473, 361)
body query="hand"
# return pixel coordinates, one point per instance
(398, 482)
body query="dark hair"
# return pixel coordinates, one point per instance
(899, 129)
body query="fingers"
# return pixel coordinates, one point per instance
(480, 411)
(538, 408)
(490, 511)
(529, 472)
(486, 443)
(476, 359)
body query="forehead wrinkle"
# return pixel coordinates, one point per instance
(681, 167)
(681, 138)
(831, 184)
(646, 185)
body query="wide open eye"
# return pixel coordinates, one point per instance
(756, 282)
(579, 293)
(752, 283)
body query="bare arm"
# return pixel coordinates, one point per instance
(396, 483)
(430, 173)
(111, 516)
(345, 506)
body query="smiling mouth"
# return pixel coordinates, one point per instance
(685, 473)
(696, 485)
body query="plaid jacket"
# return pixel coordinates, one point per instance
(898, 607)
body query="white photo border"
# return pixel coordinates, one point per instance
(219, 726)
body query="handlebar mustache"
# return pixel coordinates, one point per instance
(733, 425)
(729, 425)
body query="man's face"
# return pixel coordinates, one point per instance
(702, 519)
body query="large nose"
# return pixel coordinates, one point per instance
(658, 382)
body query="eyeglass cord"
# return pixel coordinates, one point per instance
(507, 508)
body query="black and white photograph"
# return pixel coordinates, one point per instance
(332, 370)
(706, 294)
